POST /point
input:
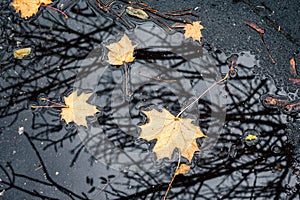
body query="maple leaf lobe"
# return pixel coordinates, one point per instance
(171, 133)
(28, 7)
(183, 169)
(121, 51)
(77, 109)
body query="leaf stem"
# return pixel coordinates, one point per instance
(56, 105)
(126, 79)
(201, 95)
(175, 174)
(59, 104)
(62, 106)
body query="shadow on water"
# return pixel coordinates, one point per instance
(51, 160)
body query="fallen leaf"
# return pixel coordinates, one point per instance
(183, 169)
(77, 109)
(28, 7)
(20, 53)
(121, 51)
(171, 132)
(139, 13)
(193, 30)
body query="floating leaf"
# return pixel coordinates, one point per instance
(28, 7)
(136, 12)
(193, 30)
(171, 132)
(77, 109)
(20, 53)
(121, 51)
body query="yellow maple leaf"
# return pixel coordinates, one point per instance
(171, 132)
(28, 7)
(183, 169)
(77, 109)
(121, 51)
(193, 30)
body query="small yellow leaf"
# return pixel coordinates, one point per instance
(251, 137)
(193, 30)
(20, 53)
(28, 7)
(183, 169)
(120, 52)
(171, 132)
(139, 13)
(77, 109)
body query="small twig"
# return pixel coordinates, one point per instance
(295, 106)
(261, 33)
(181, 14)
(201, 95)
(232, 67)
(182, 10)
(141, 3)
(56, 9)
(255, 27)
(275, 101)
(162, 22)
(295, 81)
(293, 66)
(267, 49)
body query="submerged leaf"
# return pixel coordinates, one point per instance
(28, 7)
(77, 109)
(171, 132)
(121, 51)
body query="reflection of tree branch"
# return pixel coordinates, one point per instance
(44, 168)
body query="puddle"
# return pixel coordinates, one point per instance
(43, 158)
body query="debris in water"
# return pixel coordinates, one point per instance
(293, 66)
(21, 130)
(21, 53)
(251, 137)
